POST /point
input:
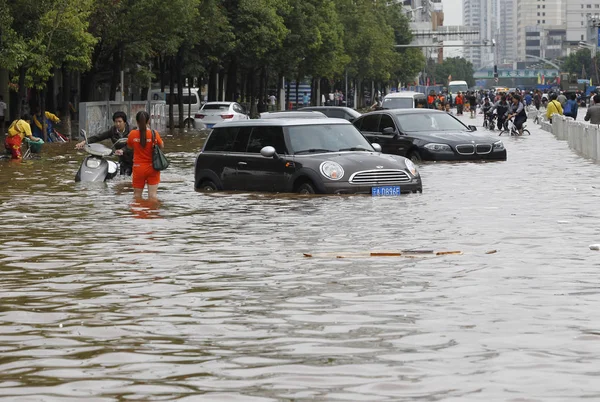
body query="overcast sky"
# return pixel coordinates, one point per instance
(452, 16)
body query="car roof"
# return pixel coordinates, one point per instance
(219, 103)
(404, 94)
(283, 122)
(293, 114)
(406, 111)
(317, 108)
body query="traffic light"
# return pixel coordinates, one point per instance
(495, 71)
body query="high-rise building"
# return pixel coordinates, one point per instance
(506, 43)
(425, 16)
(577, 12)
(533, 17)
(484, 16)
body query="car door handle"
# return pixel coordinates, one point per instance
(242, 163)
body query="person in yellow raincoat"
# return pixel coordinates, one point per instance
(51, 119)
(554, 106)
(18, 130)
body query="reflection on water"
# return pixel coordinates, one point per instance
(209, 297)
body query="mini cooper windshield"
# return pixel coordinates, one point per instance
(428, 122)
(326, 138)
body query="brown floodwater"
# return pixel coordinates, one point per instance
(209, 297)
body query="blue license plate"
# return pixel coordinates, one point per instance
(385, 191)
(209, 125)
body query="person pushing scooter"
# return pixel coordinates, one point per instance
(119, 130)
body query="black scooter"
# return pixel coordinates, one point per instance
(95, 167)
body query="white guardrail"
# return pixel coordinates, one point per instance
(582, 137)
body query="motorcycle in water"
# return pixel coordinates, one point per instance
(95, 167)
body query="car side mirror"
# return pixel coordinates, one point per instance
(472, 128)
(269, 152)
(389, 130)
(376, 147)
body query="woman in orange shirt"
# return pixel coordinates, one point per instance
(143, 172)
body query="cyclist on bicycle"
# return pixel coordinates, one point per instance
(485, 108)
(518, 112)
(501, 108)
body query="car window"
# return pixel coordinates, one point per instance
(371, 123)
(421, 103)
(325, 137)
(241, 141)
(386, 121)
(238, 109)
(398, 103)
(216, 106)
(267, 136)
(221, 139)
(335, 113)
(429, 122)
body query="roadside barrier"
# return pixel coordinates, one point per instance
(583, 138)
(95, 117)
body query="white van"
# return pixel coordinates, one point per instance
(404, 100)
(455, 87)
(156, 94)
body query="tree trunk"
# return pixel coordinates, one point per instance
(179, 70)
(252, 88)
(43, 115)
(190, 122)
(64, 102)
(212, 92)
(161, 64)
(297, 93)
(171, 92)
(279, 88)
(21, 93)
(287, 96)
(116, 72)
(232, 80)
(243, 91)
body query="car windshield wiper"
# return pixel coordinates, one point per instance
(313, 150)
(356, 149)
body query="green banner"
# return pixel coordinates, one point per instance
(517, 74)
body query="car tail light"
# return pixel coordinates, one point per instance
(227, 116)
(199, 116)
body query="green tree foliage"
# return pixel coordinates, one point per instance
(245, 39)
(458, 67)
(49, 34)
(580, 62)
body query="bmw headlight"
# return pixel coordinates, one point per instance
(498, 146)
(433, 147)
(332, 170)
(411, 167)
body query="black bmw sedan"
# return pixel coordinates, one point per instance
(431, 135)
(326, 156)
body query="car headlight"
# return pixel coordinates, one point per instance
(332, 170)
(438, 147)
(498, 146)
(411, 167)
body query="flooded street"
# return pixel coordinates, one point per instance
(208, 297)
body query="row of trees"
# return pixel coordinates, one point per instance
(583, 64)
(456, 67)
(253, 42)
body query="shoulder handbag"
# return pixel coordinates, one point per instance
(159, 160)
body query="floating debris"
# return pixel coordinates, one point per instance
(595, 247)
(491, 252)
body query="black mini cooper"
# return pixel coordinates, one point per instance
(326, 156)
